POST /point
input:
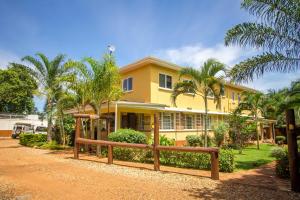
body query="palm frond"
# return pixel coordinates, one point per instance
(258, 65)
(37, 64)
(183, 88)
(191, 72)
(259, 35)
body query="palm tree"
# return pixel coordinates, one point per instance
(49, 74)
(257, 105)
(276, 33)
(102, 80)
(206, 81)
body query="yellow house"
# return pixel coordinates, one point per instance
(147, 86)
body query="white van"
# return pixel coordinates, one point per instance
(21, 128)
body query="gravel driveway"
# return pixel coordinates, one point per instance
(27, 173)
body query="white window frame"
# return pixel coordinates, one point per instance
(127, 84)
(193, 122)
(165, 85)
(162, 121)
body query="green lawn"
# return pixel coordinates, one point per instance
(252, 158)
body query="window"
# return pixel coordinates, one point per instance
(209, 122)
(127, 84)
(166, 121)
(189, 122)
(165, 81)
(239, 98)
(232, 96)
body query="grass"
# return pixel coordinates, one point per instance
(251, 157)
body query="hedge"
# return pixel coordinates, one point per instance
(30, 139)
(280, 139)
(177, 159)
(129, 136)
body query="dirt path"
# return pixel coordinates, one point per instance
(41, 174)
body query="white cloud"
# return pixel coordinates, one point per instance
(6, 57)
(274, 80)
(195, 55)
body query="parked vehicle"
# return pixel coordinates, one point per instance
(21, 128)
(40, 130)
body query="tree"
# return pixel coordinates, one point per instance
(50, 75)
(205, 82)
(255, 103)
(103, 81)
(16, 91)
(276, 33)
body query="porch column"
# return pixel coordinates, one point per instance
(116, 115)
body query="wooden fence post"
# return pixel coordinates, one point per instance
(292, 150)
(77, 134)
(156, 143)
(110, 154)
(214, 159)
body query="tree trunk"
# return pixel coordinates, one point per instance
(292, 150)
(49, 119)
(257, 131)
(206, 120)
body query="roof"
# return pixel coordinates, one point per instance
(152, 60)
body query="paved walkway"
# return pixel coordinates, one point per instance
(41, 174)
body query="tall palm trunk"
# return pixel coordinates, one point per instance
(257, 130)
(49, 117)
(206, 121)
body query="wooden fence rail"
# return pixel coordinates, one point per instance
(156, 148)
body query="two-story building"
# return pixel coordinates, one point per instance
(147, 86)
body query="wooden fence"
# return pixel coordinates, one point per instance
(156, 148)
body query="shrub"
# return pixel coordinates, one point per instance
(194, 140)
(282, 162)
(219, 132)
(30, 139)
(226, 160)
(177, 159)
(280, 139)
(164, 141)
(278, 153)
(128, 135)
(52, 145)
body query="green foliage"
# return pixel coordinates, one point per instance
(50, 75)
(16, 91)
(30, 139)
(275, 31)
(204, 81)
(52, 145)
(219, 132)
(282, 162)
(278, 153)
(194, 140)
(164, 141)
(128, 135)
(280, 139)
(38, 140)
(177, 159)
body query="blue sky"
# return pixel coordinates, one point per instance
(186, 32)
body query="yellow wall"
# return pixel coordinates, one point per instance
(140, 85)
(163, 96)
